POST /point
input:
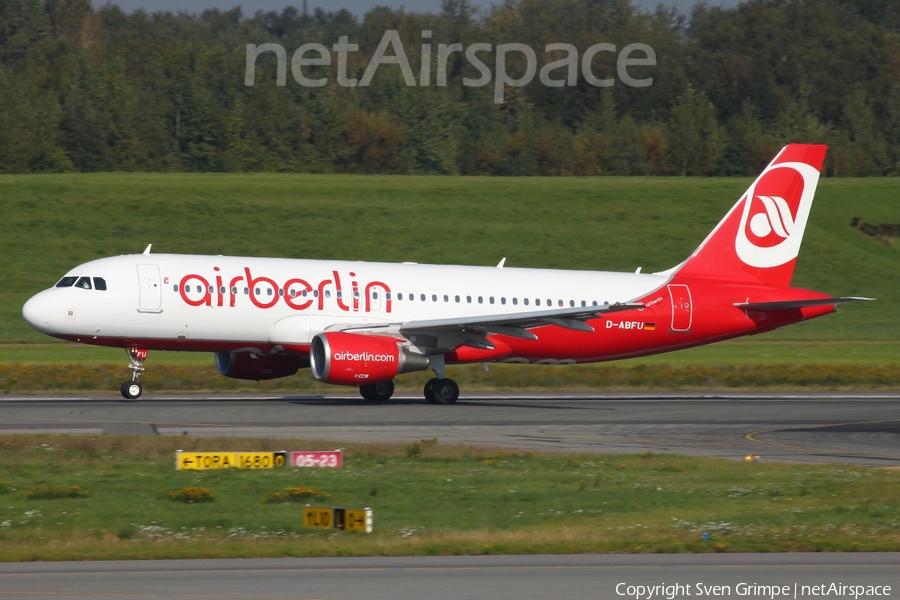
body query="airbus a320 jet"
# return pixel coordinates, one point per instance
(361, 323)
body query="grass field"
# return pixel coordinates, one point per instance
(54, 222)
(429, 499)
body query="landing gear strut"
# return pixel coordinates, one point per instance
(132, 390)
(440, 390)
(377, 392)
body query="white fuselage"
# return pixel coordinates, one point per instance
(242, 300)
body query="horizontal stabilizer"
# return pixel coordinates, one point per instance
(789, 304)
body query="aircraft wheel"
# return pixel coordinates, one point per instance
(429, 390)
(132, 390)
(445, 391)
(377, 392)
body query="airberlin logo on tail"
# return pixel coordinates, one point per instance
(777, 219)
(776, 208)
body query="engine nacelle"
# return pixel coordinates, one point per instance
(243, 365)
(357, 359)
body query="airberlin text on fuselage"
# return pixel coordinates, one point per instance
(297, 293)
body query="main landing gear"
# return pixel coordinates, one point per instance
(377, 392)
(132, 390)
(441, 390)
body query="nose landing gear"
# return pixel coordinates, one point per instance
(132, 390)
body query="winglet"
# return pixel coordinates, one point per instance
(147, 249)
(501, 263)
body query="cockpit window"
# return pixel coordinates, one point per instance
(83, 283)
(100, 284)
(67, 282)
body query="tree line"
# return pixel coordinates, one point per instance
(87, 89)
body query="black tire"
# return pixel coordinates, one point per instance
(131, 390)
(429, 390)
(445, 391)
(382, 391)
(377, 392)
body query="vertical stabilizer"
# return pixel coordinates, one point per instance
(760, 236)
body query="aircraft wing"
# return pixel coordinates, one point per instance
(473, 331)
(789, 304)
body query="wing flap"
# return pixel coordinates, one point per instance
(791, 304)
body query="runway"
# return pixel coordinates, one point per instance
(573, 577)
(853, 428)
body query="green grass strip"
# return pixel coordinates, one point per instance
(440, 500)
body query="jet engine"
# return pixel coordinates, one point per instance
(243, 365)
(356, 359)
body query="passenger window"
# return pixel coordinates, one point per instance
(399, 295)
(199, 289)
(210, 289)
(446, 298)
(221, 289)
(304, 293)
(560, 303)
(374, 295)
(175, 288)
(571, 303)
(83, 283)
(525, 301)
(328, 293)
(280, 292)
(233, 291)
(594, 303)
(100, 284)
(434, 297)
(503, 300)
(537, 302)
(469, 299)
(315, 293)
(457, 298)
(387, 296)
(515, 300)
(422, 297)
(492, 299)
(583, 303)
(67, 282)
(246, 291)
(340, 294)
(411, 297)
(480, 300)
(256, 291)
(293, 293)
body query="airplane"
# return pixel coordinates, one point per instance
(361, 324)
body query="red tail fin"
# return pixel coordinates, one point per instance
(760, 236)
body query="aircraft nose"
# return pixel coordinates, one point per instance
(37, 312)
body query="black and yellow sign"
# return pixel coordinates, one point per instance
(316, 517)
(261, 460)
(229, 460)
(354, 519)
(348, 519)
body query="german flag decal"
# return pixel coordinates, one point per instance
(649, 326)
